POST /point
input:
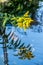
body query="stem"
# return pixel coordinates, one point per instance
(5, 54)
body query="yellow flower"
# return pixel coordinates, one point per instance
(20, 19)
(26, 14)
(27, 24)
(23, 21)
(20, 25)
(28, 21)
(24, 25)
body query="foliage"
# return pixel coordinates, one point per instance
(18, 7)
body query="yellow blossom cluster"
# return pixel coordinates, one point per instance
(23, 21)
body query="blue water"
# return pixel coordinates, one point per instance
(34, 37)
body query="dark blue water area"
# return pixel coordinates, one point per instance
(32, 36)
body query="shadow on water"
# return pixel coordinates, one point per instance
(23, 51)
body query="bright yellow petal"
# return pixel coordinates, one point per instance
(26, 14)
(20, 25)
